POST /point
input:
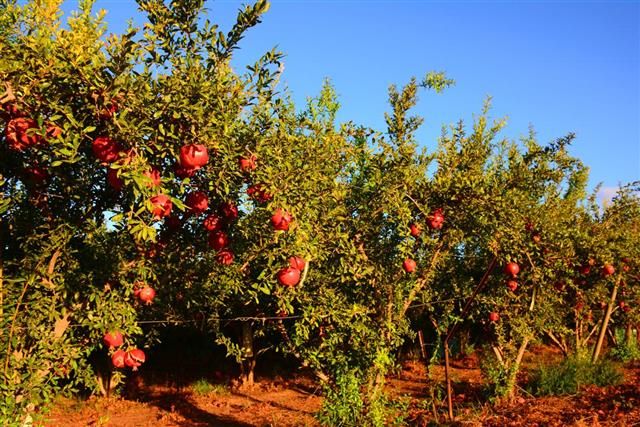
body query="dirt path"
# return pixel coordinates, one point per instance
(268, 404)
(293, 402)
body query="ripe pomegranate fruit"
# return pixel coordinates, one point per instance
(182, 172)
(297, 262)
(494, 316)
(134, 358)
(225, 257)
(436, 219)
(114, 180)
(229, 211)
(193, 156)
(248, 163)
(113, 339)
(212, 223)
(20, 133)
(161, 206)
(258, 193)
(608, 270)
(512, 285)
(118, 358)
(409, 265)
(289, 276)
(198, 202)
(154, 177)
(512, 269)
(146, 295)
(53, 131)
(218, 240)
(415, 229)
(281, 219)
(106, 149)
(36, 175)
(585, 269)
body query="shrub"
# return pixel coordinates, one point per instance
(625, 351)
(570, 375)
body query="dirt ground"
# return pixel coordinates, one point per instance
(292, 402)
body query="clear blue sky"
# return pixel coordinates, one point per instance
(561, 66)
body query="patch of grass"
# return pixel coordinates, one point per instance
(567, 377)
(203, 387)
(626, 351)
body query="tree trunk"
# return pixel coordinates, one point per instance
(605, 325)
(448, 379)
(248, 363)
(628, 335)
(513, 377)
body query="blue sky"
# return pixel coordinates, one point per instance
(560, 66)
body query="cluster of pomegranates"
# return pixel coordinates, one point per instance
(131, 358)
(218, 238)
(435, 221)
(290, 276)
(192, 158)
(23, 132)
(512, 269)
(606, 271)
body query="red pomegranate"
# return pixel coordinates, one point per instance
(154, 177)
(281, 219)
(494, 317)
(289, 276)
(21, 133)
(297, 262)
(182, 172)
(212, 223)
(134, 358)
(36, 175)
(193, 156)
(229, 211)
(258, 193)
(512, 285)
(248, 163)
(415, 229)
(218, 240)
(161, 206)
(409, 265)
(12, 110)
(436, 219)
(113, 339)
(118, 358)
(114, 180)
(146, 295)
(198, 202)
(107, 112)
(512, 269)
(608, 270)
(53, 131)
(106, 149)
(225, 257)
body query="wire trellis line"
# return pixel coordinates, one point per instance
(255, 318)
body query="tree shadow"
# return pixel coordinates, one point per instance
(180, 404)
(272, 403)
